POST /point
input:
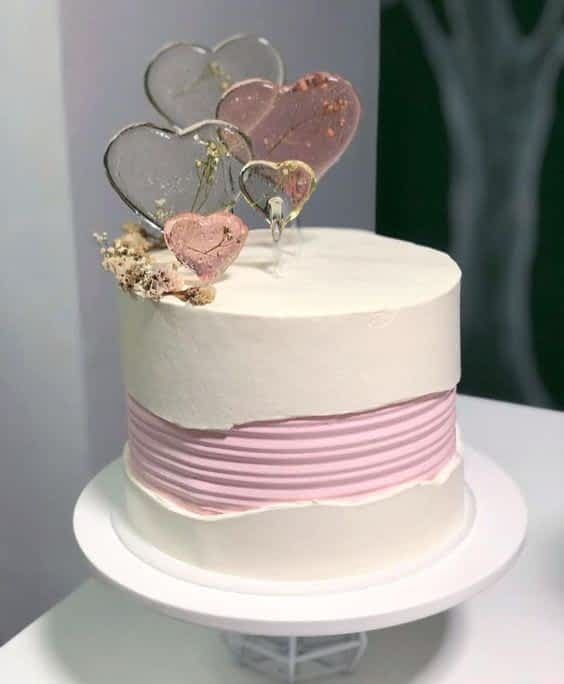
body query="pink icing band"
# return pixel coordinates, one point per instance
(283, 461)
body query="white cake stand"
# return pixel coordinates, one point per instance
(481, 557)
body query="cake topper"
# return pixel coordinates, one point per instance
(313, 120)
(206, 244)
(185, 81)
(160, 173)
(270, 142)
(277, 190)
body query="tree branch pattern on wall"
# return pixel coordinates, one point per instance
(496, 86)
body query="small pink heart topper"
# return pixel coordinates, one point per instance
(314, 120)
(206, 244)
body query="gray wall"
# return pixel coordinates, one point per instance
(64, 404)
(43, 461)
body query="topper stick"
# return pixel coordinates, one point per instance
(276, 218)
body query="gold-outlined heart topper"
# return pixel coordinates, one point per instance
(184, 81)
(279, 190)
(160, 173)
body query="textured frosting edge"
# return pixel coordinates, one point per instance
(343, 457)
(439, 479)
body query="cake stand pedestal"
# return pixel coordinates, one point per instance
(481, 557)
(297, 659)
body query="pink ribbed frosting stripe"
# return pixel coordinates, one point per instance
(303, 459)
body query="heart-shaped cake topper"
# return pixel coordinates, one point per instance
(208, 245)
(313, 120)
(278, 190)
(184, 82)
(160, 173)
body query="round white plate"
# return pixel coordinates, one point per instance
(481, 556)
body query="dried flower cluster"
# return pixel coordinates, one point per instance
(135, 237)
(198, 296)
(161, 280)
(128, 258)
(126, 263)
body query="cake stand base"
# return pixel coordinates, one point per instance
(480, 558)
(298, 659)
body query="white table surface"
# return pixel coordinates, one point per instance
(513, 633)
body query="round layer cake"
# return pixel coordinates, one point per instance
(302, 425)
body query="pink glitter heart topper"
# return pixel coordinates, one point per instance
(314, 120)
(206, 244)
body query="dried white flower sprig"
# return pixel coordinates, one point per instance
(128, 259)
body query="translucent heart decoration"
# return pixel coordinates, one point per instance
(207, 245)
(313, 120)
(278, 190)
(184, 81)
(160, 173)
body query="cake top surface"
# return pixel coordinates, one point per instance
(328, 271)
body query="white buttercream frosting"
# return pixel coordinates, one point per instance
(310, 541)
(353, 322)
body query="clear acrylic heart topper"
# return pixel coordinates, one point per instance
(185, 81)
(160, 173)
(279, 191)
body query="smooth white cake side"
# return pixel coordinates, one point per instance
(356, 321)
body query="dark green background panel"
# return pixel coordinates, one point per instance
(413, 180)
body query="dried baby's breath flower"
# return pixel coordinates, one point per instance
(133, 275)
(136, 237)
(198, 296)
(119, 260)
(101, 239)
(161, 280)
(128, 259)
(162, 214)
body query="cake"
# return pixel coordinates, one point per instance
(290, 392)
(299, 427)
